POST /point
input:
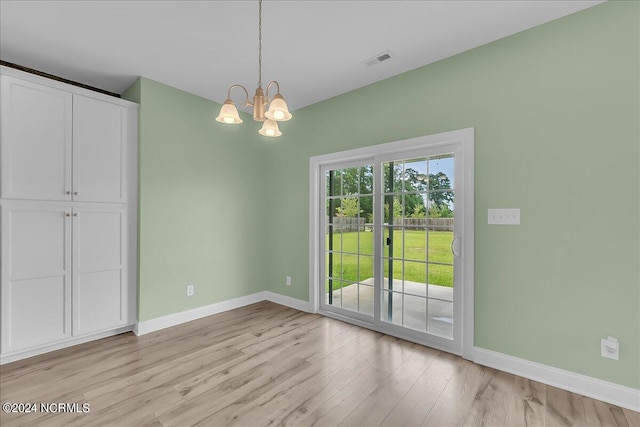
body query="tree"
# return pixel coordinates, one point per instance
(409, 181)
(397, 207)
(418, 189)
(349, 208)
(418, 212)
(354, 181)
(440, 181)
(440, 211)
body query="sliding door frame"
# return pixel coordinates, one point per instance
(464, 139)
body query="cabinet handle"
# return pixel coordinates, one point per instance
(75, 193)
(67, 214)
(75, 214)
(68, 192)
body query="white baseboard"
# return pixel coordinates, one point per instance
(615, 394)
(19, 355)
(197, 313)
(298, 304)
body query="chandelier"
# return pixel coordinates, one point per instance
(277, 109)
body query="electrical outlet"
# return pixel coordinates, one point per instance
(287, 281)
(610, 348)
(190, 290)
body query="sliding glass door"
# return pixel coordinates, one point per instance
(390, 243)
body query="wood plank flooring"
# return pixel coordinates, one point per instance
(269, 365)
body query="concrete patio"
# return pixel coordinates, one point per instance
(414, 301)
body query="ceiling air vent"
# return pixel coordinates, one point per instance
(384, 56)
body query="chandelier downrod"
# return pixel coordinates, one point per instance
(259, 43)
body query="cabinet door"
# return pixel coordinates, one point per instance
(99, 137)
(36, 141)
(36, 276)
(99, 273)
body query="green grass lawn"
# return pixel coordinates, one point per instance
(414, 243)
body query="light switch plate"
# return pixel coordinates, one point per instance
(504, 216)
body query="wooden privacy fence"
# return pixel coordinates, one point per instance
(349, 224)
(443, 224)
(344, 224)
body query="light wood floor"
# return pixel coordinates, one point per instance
(268, 365)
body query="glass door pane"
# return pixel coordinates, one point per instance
(417, 232)
(349, 257)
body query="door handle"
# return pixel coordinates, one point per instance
(453, 247)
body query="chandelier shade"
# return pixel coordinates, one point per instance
(270, 128)
(229, 113)
(277, 110)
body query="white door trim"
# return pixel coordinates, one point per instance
(464, 137)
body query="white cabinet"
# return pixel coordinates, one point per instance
(65, 266)
(99, 260)
(68, 160)
(61, 146)
(99, 136)
(36, 141)
(36, 275)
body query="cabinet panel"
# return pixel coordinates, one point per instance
(38, 312)
(98, 297)
(98, 239)
(99, 135)
(37, 242)
(99, 284)
(36, 276)
(36, 141)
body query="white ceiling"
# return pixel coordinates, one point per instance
(313, 48)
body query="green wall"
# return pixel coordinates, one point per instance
(200, 203)
(556, 115)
